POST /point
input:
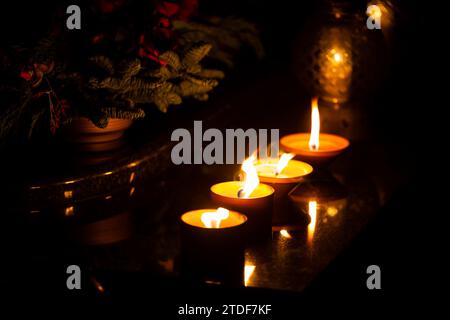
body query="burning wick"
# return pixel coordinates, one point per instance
(251, 178)
(315, 125)
(213, 219)
(283, 162)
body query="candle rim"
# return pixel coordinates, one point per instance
(270, 188)
(341, 142)
(309, 167)
(204, 210)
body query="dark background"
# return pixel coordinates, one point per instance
(395, 240)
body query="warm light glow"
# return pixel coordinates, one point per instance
(69, 211)
(375, 11)
(315, 125)
(248, 271)
(283, 162)
(213, 219)
(332, 211)
(68, 194)
(285, 234)
(337, 57)
(251, 180)
(132, 164)
(312, 211)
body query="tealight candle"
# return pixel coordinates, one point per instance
(314, 147)
(212, 245)
(282, 174)
(250, 197)
(258, 206)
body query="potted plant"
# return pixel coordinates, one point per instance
(127, 57)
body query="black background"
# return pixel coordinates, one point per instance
(395, 241)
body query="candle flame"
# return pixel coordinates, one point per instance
(315, 125)
(251, 180)
(213, 219)
(283, 162)
(312, 211)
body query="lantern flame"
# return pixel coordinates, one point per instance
(251, 180)
(315, 125)
(337, 57)
(283, 162)
(213, 219)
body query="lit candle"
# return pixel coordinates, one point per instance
(314, 147)
(282, 174)
(212, 245)
(250, 197)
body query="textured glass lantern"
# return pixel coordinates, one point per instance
(336, 57)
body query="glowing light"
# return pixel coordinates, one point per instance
(337, 57)
(68, 194)
(69, 211)
(251, 180)
(284, 233)
(248, 272)
(315, 125)
(312, 211)
(283, 162)
(213, 219)
(332, 211)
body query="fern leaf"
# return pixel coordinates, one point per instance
(174, 98)
(201, 97)
(195, 54)
(117, 113)
(194, 69)
(132, 69)
(211, 73)
(103, 62)
(172, 59)
(162, 103)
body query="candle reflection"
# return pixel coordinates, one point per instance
(248, 272)
(312, 211)
(284, 233)
(69, 211)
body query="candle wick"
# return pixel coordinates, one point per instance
(240, 193)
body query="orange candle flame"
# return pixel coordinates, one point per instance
(315, 125)
(213, 219)
(283, 162)
(251, 180)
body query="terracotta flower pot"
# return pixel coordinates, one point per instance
(82, 130)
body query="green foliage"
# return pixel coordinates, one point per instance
(176, 78)
(42, 81)
(226, 36)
